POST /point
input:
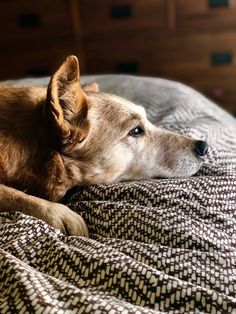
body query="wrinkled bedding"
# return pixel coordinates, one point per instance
(155, 246)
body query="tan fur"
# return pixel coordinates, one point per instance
(56, 138)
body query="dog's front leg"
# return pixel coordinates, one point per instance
(54, 214)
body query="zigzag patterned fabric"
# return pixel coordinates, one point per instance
(156, 246)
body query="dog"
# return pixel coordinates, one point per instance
(54, 138)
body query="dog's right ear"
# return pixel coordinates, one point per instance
(66, 105)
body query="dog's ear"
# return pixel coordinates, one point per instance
(91, 87)
(66, 104)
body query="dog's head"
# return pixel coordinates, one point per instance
(105, 138)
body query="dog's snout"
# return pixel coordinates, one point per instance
(201, 148)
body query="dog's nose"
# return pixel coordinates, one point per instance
(201, 148)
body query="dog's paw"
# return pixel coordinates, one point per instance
(61, 217)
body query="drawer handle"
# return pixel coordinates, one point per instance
(121, 11)
(31, 20)
(218, 3)
(222, 58)
(127, 67)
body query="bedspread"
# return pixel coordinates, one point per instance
(155, 246)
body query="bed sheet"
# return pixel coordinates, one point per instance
(155, 246)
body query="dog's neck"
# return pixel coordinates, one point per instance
(30, 162)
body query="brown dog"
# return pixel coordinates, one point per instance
(56, 138)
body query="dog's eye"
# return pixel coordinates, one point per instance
(138, 131)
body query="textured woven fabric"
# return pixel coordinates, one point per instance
(156, 246)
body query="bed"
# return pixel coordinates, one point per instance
(155, 246)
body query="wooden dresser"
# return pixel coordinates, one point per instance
(193, 41)
(36, 36)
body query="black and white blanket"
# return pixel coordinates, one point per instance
(156, 246)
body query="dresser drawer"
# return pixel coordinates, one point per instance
(105, 16)
(205, 15)
(183, 54)
(33, 62)
(34, 20)
(160, 57)
(124, 53)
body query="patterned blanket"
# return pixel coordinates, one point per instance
(156, 246)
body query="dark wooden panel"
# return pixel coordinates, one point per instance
(34, 20)
(105, 16)
(173, 58)
(202, 16)
(35, 62)
(172, 54)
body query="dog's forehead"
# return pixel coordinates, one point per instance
(128, 104)
(117, 103)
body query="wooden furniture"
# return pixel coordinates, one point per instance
(36, 36)
(185, 40)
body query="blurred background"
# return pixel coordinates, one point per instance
(192, 41)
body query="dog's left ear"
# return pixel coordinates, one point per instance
(66, 104)
(91, 87)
